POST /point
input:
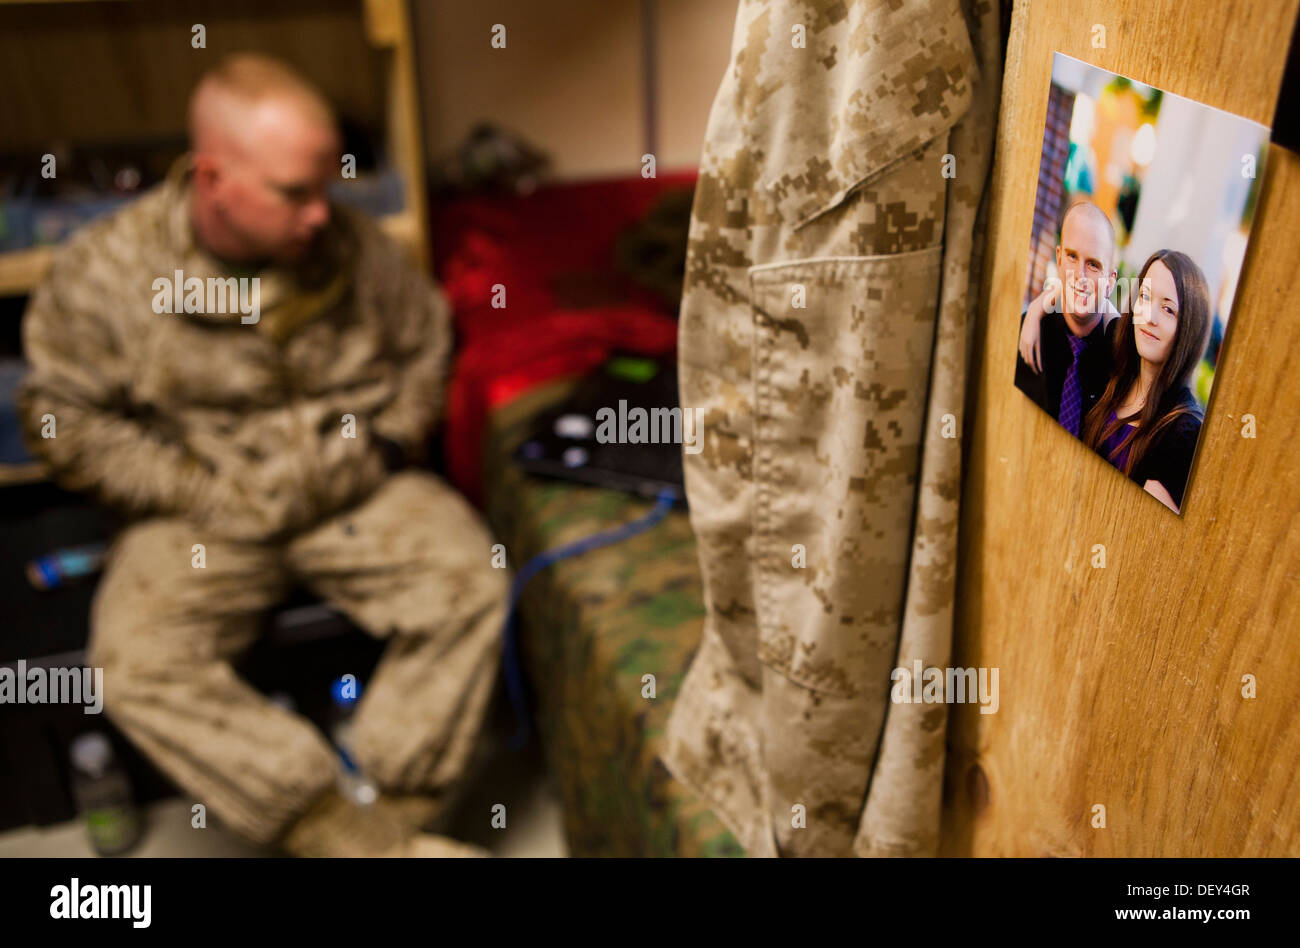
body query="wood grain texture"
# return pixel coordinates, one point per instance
(1122, 686)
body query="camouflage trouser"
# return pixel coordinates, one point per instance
(823, 348)
(411, 563)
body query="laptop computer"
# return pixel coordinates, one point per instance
(620, 428)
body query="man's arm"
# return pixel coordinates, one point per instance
(419, 334)
(1030, 334)
(74, 405)
(1028, 378)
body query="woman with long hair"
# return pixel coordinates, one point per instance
(1147, 422)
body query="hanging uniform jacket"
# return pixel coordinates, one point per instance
(823, 348)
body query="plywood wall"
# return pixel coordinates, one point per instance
(1122, 686)
(569, 80)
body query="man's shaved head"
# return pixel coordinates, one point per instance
(1085, 262)
(234, 90)
(265, 147)
(1096, 217)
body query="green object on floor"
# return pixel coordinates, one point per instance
(632, 369)
(592, 628)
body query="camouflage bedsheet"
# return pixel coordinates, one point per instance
(590, 628)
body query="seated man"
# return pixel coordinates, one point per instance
(244, 367)
(1062, 363)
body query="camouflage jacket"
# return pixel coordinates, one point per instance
(262, 409)
(823, 347)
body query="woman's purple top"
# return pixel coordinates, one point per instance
(1111, 443)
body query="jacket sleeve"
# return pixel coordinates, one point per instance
(418, 330)
(74, 405)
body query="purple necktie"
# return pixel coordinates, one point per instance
(1071, 395)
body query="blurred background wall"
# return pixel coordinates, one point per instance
(587, 107)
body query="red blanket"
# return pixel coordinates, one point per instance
(548, 258)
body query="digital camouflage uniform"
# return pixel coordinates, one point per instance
(824, 338)
(233, 435)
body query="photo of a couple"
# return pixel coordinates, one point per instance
(1141, 220)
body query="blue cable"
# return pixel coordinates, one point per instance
(514, 676)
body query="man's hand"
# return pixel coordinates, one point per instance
(257, 494)
(236, 503)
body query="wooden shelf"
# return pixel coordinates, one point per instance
(21, 270)
(14, 474)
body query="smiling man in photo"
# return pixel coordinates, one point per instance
(1062, 365)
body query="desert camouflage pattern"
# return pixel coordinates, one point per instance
(824, 338)
(229, 435)
(409, 564)
(234, 426)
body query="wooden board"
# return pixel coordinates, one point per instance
(1121, 686)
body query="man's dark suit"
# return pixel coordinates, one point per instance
(1094, 364)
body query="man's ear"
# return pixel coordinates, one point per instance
(206, 171)
(1058, 258)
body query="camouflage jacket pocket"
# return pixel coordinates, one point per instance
(841, 360)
